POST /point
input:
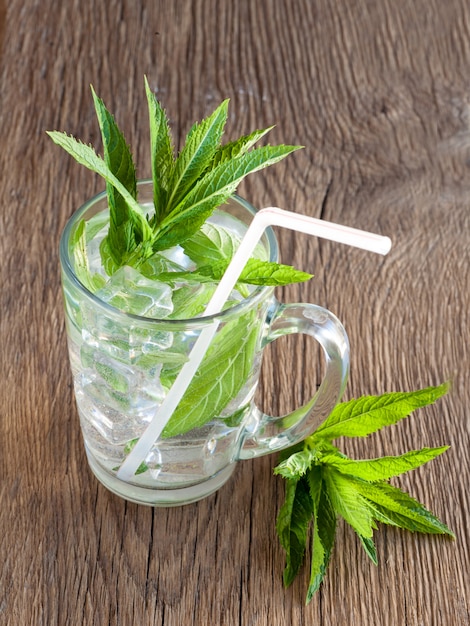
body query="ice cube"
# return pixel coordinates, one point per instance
(115, 398)
(120, 337)
(131, 292)
(176, 259)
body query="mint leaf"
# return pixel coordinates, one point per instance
(211, 244)
(366, 415)
(96, 224)
(239, 146)
(80, 257)
(107, 257)
(382, 468)
(188, 303)
(395, 505)
(212, 248)
(85, 155)
(161, 152)
(113, 377)
(298, 463)
(292, 526)
(221, 375)
(189, 277)
(158, 264)
(349, 502)
(214, 188)
(258, 272)
(324, 530)
(255, 272)
(392, 518)
(369, 548)
(81, 266)
(121, 238)
(199, 150)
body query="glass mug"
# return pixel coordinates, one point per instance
(124, 363)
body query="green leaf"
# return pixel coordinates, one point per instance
(161, 151)
(190, 277)
(369, 547)
(239, 146)
(156, 265)
(188, 303)
(258, 272)
(212, 247)
(221, 375)
(324, 531)
(175, 229)
(292, 526)
(211, 191)
(80, 257)
(255, 273)
(366, 415)
(394, 506)
(95, 225)
(107, 258)
(391, 518)
(86, 155)
(298, 463)
(201, 144)
(123, 230)
(385, 467)
(285, 454)
(211, 244)
(349, 502)
(185, 191)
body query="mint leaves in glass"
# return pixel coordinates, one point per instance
(187, 188)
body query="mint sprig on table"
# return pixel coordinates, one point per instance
(187, 188)
(323, 484)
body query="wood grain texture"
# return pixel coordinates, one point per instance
(378, 94)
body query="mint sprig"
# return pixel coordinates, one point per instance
(323, 484)
(255, 272)
(187, 187)
(124, 233)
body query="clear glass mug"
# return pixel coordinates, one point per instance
(123, 365)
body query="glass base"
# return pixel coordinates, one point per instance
(159, 497)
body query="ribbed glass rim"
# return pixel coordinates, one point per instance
(66, 264)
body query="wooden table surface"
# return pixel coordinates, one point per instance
(379, 95)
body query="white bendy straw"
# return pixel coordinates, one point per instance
(271, 216)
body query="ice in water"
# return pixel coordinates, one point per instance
(129, 291)
(117, 393)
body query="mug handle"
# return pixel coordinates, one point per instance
(265, 434)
